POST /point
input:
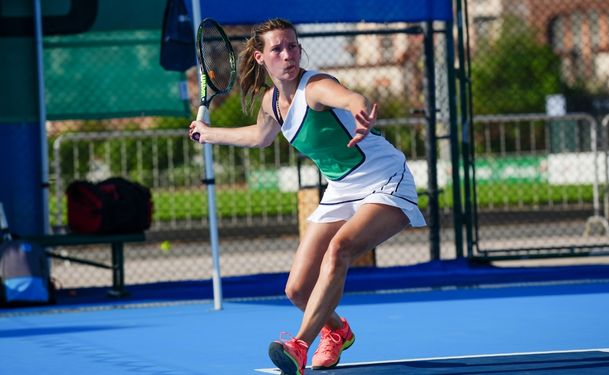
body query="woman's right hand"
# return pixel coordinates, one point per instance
(197, 130)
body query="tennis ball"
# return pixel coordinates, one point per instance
(165, 245)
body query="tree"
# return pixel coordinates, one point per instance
(514, 73)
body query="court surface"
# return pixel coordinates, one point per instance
(536, 328)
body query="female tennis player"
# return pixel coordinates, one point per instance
(370, 195)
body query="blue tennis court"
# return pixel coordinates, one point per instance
(557, 327)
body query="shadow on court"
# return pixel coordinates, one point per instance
(44, 331)
(571, 363)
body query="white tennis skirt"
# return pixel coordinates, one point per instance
(345, 209)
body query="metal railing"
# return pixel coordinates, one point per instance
(171, 165)
(175, 167)
(573, 154)
(257, 192)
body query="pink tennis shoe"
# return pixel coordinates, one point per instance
(290, 356)
(331, 345)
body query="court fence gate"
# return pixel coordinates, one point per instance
(574, 164)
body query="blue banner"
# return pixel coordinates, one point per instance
(243, 12)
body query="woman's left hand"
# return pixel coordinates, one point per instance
(363, 123)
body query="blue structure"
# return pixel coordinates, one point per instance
(316, 11)
(23, 165)
(22, 186)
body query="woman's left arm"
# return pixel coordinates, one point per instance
(325, 92)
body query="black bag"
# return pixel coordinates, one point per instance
(24, 275)
(115, 205)
(178, 41)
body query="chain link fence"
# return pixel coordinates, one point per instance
(535, 175)
(256, 189)
(540, 87)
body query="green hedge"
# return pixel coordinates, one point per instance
(192, 204)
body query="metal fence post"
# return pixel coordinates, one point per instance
(431, 144)
(605, 132)
(454, 141)
(596, 219)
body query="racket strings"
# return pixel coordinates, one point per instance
(217, 58)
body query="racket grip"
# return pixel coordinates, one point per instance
(202, 115)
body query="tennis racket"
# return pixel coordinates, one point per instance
(218, 65)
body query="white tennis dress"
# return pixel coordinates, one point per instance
(372, 171)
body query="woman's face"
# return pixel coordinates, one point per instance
(281, 54)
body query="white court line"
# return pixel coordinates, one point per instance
(606, 350)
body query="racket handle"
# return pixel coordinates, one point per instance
(202, 115)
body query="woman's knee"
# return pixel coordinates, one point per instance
(339, 254)
(297, 293)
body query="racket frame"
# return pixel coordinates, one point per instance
(203, 113)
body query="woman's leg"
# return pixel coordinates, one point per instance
(306, 265)
(371, 225)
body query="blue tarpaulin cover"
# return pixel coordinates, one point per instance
(175, 54)
(239, 12)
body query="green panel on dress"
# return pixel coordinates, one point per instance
(323, 138)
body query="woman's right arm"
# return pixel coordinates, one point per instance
(260, 134)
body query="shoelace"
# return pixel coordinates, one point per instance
(285, 337)
(327, 346)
